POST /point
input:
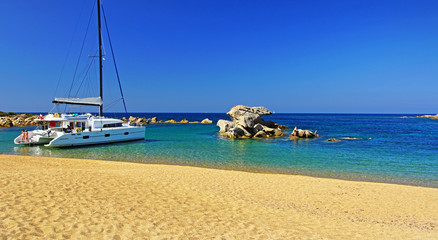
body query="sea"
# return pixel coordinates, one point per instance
(372, 147)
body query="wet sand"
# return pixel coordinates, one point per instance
(73, 198)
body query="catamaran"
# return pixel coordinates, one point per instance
(68, 130)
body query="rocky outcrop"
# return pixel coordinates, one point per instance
(429, 116)
(5, 122)
(171, 121)
(426, 116)
(246, 116)
(246, 122)
(206, 121)
(300, 133)
(17, 120)
(154, 120)
(20, 120)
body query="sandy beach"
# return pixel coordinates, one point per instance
(58, 198)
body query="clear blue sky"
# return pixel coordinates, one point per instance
(207, 56)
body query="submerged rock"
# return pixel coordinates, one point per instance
(333, 140)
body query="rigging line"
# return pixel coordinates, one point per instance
(82, 47)
(69, 49)
(114, 59)
(83, 79)
(112, 104)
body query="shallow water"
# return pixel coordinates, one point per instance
(389, 148)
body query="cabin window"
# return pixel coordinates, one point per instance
(112, 125)
(126, 133)
(107, 135)
(86, 137)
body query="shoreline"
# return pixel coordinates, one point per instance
(357, 177)
(64, 197)
(257, 169)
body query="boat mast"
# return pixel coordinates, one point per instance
(100, 57)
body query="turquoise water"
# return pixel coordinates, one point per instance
(389, 148)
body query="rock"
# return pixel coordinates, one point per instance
(429, 116)
(244, 119)
(238, 132)
(142, 121)
(171, 121)
(5, 122)
(333, 140)
(303, 133)
(279, 133)
(422, 116)
(234, 133)
(154, 120)
(260, 134)
(257, 110)
(246, 116)
(246, 123)
(184, 121)
(132, 119)
(206, 121)
(19, 122)
(139, 120)
(224, 125)
(195, 122)
(245, 132)
(259, 127)
(283, 127)
(270, 124)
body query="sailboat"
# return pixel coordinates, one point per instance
(69, 130)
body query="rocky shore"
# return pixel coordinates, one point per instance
(12, 119)
(154, 120)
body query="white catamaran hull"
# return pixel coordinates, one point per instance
(36, 137)
(98, 137)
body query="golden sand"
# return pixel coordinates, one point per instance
(89, 199)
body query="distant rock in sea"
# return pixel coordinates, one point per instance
(423, 116)
(206, 121)
(154, 120)
(246, 122)
(333, 140)
(300, 133)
